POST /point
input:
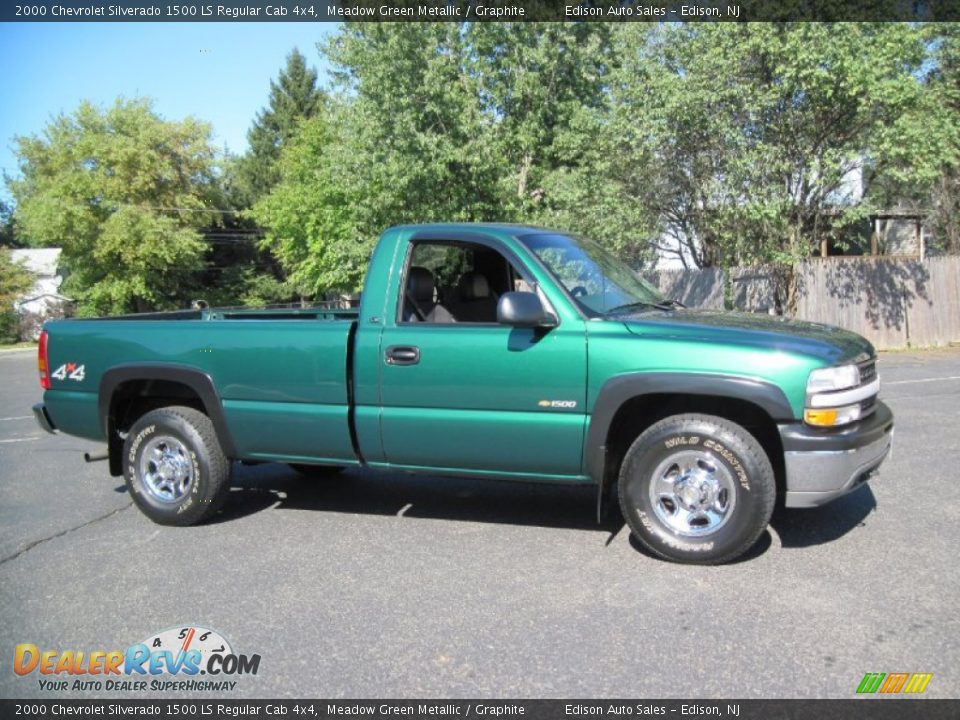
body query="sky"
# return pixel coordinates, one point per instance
(217, 72)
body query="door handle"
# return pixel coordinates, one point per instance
(403, 355)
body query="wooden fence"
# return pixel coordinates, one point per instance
(694, 288)
(893, 302)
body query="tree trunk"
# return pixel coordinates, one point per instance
(524, 176)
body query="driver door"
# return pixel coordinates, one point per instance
(461, 392)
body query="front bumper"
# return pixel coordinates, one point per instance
(43, 418)
(822, 465)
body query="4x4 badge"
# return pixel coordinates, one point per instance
(70, 371)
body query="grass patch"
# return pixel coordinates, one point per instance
(17, 345)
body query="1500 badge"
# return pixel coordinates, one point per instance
(70, 371)
(557, 403)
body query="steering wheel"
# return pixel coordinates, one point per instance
(579, 291)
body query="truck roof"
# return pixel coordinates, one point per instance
(511, 228)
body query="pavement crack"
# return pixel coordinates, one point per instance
(29, 546)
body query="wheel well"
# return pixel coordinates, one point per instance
(132, 399)
(639, 413)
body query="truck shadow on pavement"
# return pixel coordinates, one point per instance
(271, 486)
(363, 492)
(816, 526)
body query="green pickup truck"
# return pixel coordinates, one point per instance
(497, 351)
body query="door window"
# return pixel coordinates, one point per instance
(447, 282)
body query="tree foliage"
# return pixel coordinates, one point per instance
(944, 197)
(8, 236)
(412, 135)
(294, 96)
(445, 122)
(15, 280)
(310, 216)
(123, 193)
(764, 139)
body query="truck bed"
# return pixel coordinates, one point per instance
(281, 373)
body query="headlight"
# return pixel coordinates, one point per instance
(833, 378)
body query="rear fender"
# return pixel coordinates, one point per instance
(200, 383)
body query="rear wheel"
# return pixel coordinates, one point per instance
(697, 489)
(175, 469)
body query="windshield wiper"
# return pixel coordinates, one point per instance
(662, 305)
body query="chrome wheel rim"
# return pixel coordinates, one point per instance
(165, 469)
(692, 493)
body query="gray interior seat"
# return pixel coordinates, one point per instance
(476, 302)
(421, 289)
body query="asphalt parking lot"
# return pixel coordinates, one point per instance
(375, 585)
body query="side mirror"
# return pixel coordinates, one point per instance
(523, 309)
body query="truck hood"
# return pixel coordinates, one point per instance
(830, 344)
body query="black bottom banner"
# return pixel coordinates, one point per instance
(853, 709)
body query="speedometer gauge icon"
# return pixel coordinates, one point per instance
(190, 637)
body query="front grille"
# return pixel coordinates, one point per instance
(868, 373)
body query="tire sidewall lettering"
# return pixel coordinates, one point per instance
(730, 459)
(132, 457)
(195, 489)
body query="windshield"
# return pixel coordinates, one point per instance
(597, 281)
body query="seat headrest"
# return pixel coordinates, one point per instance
(420, 283)
(474, 286)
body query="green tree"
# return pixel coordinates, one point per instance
(294, 96)
(123, 193)
(310, 218)
(944, 196)
(757, 134)
(534, 80)
(414, 142)
(545, 89)
(404, 141)
(15, 280)
(7, 234)
(482, 121)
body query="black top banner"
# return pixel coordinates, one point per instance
(482, 11)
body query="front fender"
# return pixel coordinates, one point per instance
(622, 388)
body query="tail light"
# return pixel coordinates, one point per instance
(43, 363)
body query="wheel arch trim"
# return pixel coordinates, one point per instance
(197, 380)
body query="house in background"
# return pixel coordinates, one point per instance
(43, 301)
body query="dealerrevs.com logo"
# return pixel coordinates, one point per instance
(172, 660)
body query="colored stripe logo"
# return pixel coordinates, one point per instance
(894, 683)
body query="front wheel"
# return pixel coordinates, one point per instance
(175, 469)
(697, 489)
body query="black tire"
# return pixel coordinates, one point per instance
(697, 489)
(316, 471)
(184, 456)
